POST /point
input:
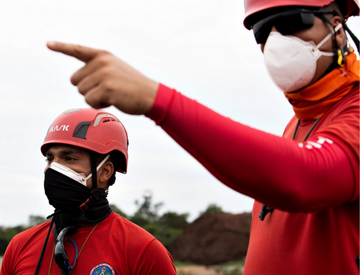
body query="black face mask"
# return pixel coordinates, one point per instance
(67, 195)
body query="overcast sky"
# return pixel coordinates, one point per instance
(199, 47)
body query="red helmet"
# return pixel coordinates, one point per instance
(92, 129)
(254, 6)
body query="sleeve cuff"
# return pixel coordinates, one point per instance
(163, 100)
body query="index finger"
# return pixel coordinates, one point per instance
(82, 53)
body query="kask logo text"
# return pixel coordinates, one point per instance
(59, 128)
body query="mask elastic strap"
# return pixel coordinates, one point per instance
(93, 156)
(93, 170)
(326, 38)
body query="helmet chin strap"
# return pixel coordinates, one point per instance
(96, 193)
(93, 170)
(353, 36)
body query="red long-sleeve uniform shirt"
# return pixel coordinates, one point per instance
(313, 186)
(116, 247)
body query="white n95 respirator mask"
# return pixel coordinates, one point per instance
(291, 61)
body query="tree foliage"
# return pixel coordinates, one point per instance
(212, 209)
(7, 233)
(164, 227)
(118, 211)
(36, 220)
(147, 209)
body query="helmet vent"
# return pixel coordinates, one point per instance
(107, 118)
(81, 129)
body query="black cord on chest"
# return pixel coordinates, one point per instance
(266, 209)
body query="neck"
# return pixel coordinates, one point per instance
(97, 212)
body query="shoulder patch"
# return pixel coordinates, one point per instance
(102, 269)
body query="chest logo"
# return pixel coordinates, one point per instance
(102, 269)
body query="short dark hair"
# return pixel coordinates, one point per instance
(342, 5)
(338, 6)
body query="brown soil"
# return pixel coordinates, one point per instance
(213, 239)
(195, 270)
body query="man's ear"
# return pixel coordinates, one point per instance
(340, 40)
(340, 34)
(104, 174)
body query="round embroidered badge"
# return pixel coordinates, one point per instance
(102, 269)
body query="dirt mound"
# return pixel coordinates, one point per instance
(195, 270)
(213, 239)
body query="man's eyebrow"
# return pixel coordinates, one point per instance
(69, 152)
(64, 152)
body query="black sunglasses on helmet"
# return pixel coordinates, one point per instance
(287, 22)
(60, 254)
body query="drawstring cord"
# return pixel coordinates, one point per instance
(46, 241)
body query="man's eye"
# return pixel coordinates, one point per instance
(48, 160)
(69, 159)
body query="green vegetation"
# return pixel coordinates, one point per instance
(184, 273)
(230, 268)
(229, 264)
(165, 227)
(212, 209)
(181, 264)
(6, 234)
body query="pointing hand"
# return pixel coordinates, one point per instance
(106, 80)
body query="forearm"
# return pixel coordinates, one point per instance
(271, 169)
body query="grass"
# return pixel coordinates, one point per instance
(230, 268)
(184, 273)
(181, 264)
(236, 263)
